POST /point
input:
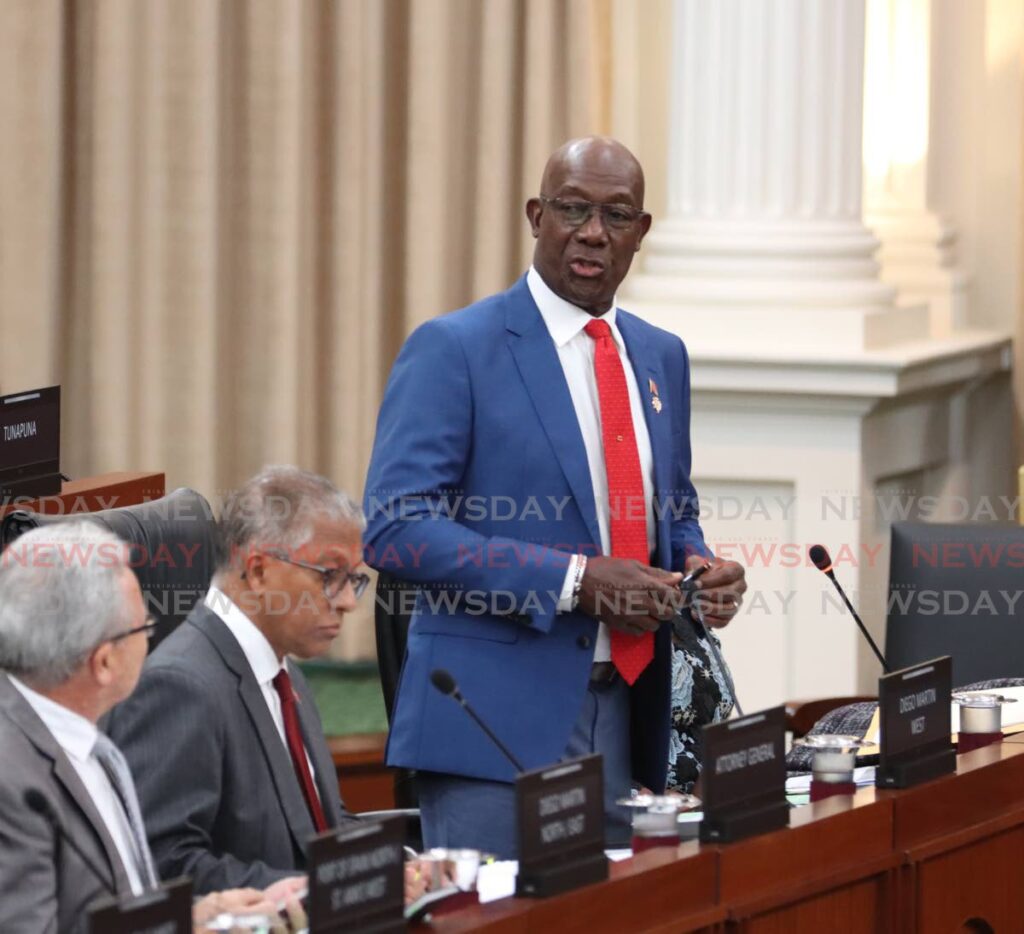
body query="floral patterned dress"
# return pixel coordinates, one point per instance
(700, 695)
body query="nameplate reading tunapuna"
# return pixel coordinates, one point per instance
(357, 877)
(561, 827)
(914, 720)
(743, 781)
(30, 444)
(165, 911)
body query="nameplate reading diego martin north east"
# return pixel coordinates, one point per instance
(561, 827)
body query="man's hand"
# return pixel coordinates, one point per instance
(285, 889)
(628, 595)
(419, 877)
(255, 902)
(231, 901)
(417, 880)
(718, 591)
(289, 892)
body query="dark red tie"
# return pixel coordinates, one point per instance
(293, 736)
(626, 505)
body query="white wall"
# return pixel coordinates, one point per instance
(976, 153)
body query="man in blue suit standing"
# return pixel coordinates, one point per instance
(531, 475)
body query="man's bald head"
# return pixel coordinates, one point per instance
(588, 220)
(598, 154)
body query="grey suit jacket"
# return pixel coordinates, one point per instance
(219, 795)
(44, 884)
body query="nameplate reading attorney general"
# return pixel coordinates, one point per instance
(30, 444)
(914, 719)
(165, 911)
(561, 827)
(744, 777)
(357, 878)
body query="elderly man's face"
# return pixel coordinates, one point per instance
(585, 264)
(297, 616)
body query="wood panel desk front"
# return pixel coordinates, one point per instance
(924, 859)
(962, 839)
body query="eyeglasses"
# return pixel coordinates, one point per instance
(577, 213)
(148, 627)
(334, 580)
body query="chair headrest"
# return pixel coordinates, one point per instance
(172, 544)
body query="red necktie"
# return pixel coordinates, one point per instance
(293, 737)
(626, 505)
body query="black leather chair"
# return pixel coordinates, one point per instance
(953, 590)
(172, 543)
(854, 719)
(392, 613)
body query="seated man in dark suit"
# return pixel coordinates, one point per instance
(72, 641)
(233, 770)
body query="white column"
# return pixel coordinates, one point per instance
(764, 224)
(818, 398)
(917, 254)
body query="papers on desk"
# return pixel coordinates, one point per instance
(497, 880)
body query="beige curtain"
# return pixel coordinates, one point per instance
(220, 218)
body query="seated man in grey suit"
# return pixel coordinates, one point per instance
(222, 733)
(73, 635)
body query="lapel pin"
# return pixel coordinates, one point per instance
(655, 400)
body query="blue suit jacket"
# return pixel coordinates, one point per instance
(479, 491)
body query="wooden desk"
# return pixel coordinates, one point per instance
(106, 491)
(660, 890)
(962, 839)
(922, 860)
(832, 869)
(366, 784)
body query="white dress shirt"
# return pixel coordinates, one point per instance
(259, 654)
(565, 323)
(76, 736)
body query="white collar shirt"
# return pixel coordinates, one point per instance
(76, 737)
(565, 323)
(258, 653)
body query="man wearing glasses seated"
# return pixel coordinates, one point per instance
(72, 642)
(222, 733)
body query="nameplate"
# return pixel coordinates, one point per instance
(914, 721)
(30, 444)
(165, 911)
(743, 779)
(561, 827)
(357, 877)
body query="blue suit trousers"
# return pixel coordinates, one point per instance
(458, 812)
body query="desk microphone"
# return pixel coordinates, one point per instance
(36, 801)
(821, 560)
(445, 683)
